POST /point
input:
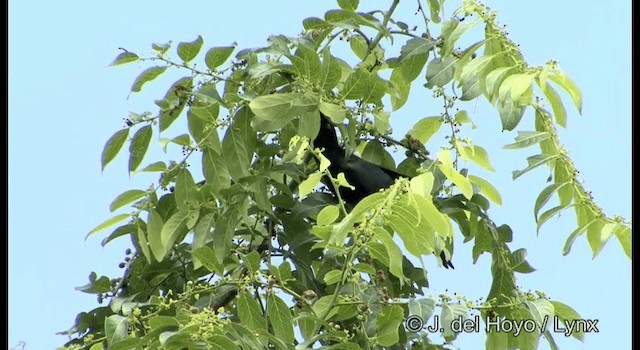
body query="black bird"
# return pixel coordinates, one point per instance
(366, 178)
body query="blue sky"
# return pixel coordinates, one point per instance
(65, 102)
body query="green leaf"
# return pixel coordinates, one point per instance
(515, 85)
(217, 56)
(405, 221)
(252, 261)
(349, 5)
(238, 144)
(189, 50)
(123, 58)
(519, 262)
(572, 237)
(141, 237)
(96, 285)
(182, 140)
(524, 340)
(154, 234)
(126, 198)
(476, 67)
(548, 215)
(534, 162)
(224, 231)
(374, 152)
(528, 138)
(147, 75)
(116, 328)
(510, 113)
(139, 146)
(128, 229)
(355, 86)
(566, 313)
(416, 47)
(440, 72)
(393, 251)
(342, 19)
(399, 91)
(465, 58)
(389, 321)
(556, 104)
(280, 318)
(307, 63)
(113, 146)
(172, 229)
(503, 283)
(479, 156)
(542, 311)
(161, 48)
(413, 56)
(202, 233)
(560, 78)
(155, 167)
(163, 322)
(452, 30)
(330, 71)
(341, 229)
(185, 190)
(471, 89)
(249, 311)
(107, 223)
(434, 10)
(497, 340)
(328, 215)
(272, 112)
(425, 128)
(215, 171)
(178, 93)
(332, 277)
(486, 189)
(207, 258)
(422, 184)
(624, 237)
(430, 214)
(342, 181)
(422, 307)
(358, 46)
(545, 195)
(446, 166)
(314, 23)
(309, 184)
(375, 89)
(598, 233)
(451, 312)
(412, 66)
(493, 81)
(124, 344)
(208, 95)
(335, 112)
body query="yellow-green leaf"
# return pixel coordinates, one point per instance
(486, 189)
(113, 146)
(108, 223)
(446, 166)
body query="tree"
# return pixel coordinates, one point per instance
(216, 262)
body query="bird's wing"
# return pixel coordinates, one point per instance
(365, 176)
(394, 175)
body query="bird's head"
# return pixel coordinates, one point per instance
(327, 137)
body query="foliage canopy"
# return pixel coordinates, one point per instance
(215, 263)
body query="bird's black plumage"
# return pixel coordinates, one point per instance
(366, 178)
